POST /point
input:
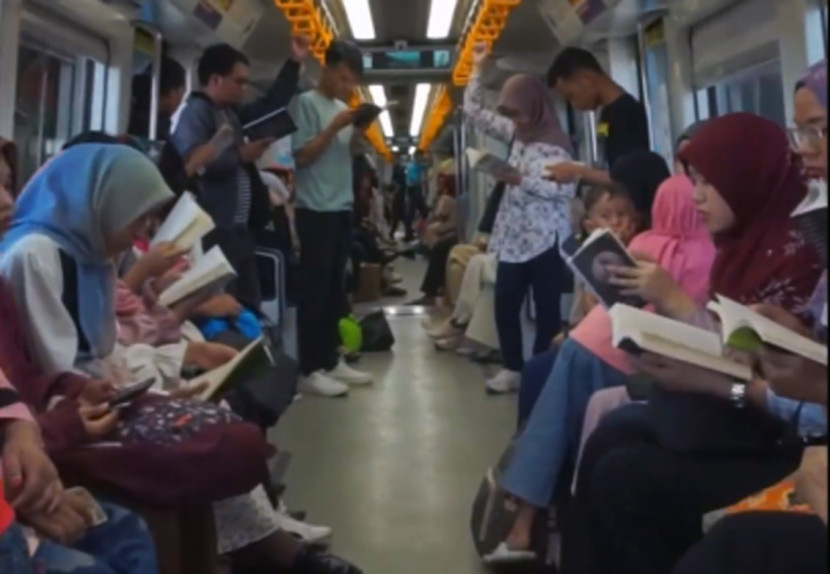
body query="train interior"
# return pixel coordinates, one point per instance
(393, 469)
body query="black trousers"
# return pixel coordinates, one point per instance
(436, 273)
(638, 505)
(239, 247)
(325, 245)
(760, 543)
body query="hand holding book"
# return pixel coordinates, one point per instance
(680, 377)
(649, 281)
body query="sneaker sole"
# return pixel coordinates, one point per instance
(319, 393)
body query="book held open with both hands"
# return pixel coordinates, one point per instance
(636, 331)
(208, 275)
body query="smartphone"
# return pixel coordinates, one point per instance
(97, 513)
(130, 393)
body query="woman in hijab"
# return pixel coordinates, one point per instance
(649, 472)
(588, 361)
(533, 217)
(641, 173)
(683, 142)
(83, 209)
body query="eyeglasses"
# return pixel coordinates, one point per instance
(807, 137)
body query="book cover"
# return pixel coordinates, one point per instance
(591, 261)
(274, 125)
(246, 365)
(488, 163)
(811, 217)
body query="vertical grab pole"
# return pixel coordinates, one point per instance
(590, 119)
(642, 72)
(156, 84)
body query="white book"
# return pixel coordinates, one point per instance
(248, 363)
(811, 216)
(745, 330)
(488, 163)
(210, 273)
(635, 331)
(186, 224)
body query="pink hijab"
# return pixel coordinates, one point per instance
(529, 96)
(680, 243)
(678, 238)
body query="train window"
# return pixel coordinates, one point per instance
(44, 108)
(759, 90)
(816, 33)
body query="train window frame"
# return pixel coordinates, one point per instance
(713, 99)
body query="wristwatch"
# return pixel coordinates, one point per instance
(737, 395)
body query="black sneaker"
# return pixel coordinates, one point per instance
(310, 561)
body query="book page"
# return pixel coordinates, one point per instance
(186, 224)
(217, 376)
(488, 163)
(211, 268)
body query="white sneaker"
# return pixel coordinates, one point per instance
(308, 533)
(322, 385)
(504, 382)
(504, 555)
(345, 374)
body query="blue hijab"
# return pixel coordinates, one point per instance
(78, 199)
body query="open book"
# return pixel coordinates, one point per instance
(811, 216)
(366, 113)
(273, 125)
(590, 263)
(635, 331)
(186, 224)
(209, 274)
(488, 163)
(247, 364)
(745, 330)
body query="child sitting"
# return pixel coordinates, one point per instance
(588, 361)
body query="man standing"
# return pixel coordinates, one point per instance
(324, 201)
(577, 76)
(229, 187)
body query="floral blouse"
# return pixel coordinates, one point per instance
(535, 214)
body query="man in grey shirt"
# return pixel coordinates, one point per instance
(229, 188)
(324, 200)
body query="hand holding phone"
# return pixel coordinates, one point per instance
(129, 393)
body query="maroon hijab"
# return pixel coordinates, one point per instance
(763, 257)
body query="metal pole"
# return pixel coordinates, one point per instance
(591, 132)
(156, 94)
(642, 72)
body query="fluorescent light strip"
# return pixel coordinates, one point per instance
(360, 19)
(379, 98)
(441, 14)
(419, 108)
(412, 150)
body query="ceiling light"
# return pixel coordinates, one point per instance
(412, 150)
(441, 13)
(378, 94)
(360, 19)
(396, 149)
(419, 108)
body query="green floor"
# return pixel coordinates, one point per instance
(393, 468)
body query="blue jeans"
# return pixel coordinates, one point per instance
(534, 375)
(122, 545)
(555, 425)
(545, 274)
(14, 555)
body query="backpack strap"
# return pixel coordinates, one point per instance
(71, 299)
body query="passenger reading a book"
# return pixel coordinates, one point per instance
(76, 215)
(666, 458)
(588, 362)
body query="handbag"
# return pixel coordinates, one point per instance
(377, 334)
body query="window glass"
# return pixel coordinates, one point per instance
(759, 90)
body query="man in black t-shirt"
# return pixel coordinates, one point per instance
(577, 76)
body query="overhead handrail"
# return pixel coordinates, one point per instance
(486, 27)
(310, 20)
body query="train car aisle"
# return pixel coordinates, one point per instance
(394, 468)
